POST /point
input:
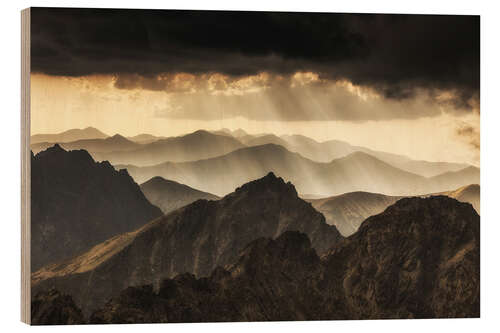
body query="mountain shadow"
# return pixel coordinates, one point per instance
(77, 203)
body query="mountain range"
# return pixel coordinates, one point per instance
(195, 239)
(191, 147)
(335, 149)
(356, 172)
(69, 136)
(417, 259)
(77, 203)
(347, 211)
(150, 150)
(115, 143)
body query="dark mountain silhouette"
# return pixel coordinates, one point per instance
(347, 211)
(114, 143)
(51, 307)
(355, 172)
(417, 259)
(198, 145)
(77, 203)
(194, 239)
(170, 195)
(271, 280)
(68, 136)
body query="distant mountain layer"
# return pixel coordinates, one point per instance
(145, 138)
(110, 144)
(170, 195)
(191, 147)
(77, 203)
(347, 211)
(355, 172)
(333, 149)
(470, 194)
(68, 136)
(146, 149)
(418, 259)
(196, 239)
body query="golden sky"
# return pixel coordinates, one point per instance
(423, 127)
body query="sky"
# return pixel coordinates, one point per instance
(407, 84)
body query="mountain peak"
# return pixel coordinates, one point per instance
(269, 182)
(117, 137)
(55, 148)
(239, 132)
(427, 212)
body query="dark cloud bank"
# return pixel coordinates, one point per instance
(394, 54)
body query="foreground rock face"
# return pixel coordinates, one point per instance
(417, 259)
(77, 203)
(272, 280)
(51, 307)
(347, 211)
(194, 239)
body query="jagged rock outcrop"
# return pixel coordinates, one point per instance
(194, 239)
(77, 203)
(417, 259)
(53, 308)
(347, 211)
(272, 280)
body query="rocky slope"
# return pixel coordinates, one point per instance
(53, 308)
(271, 280)
(77, 203)
(170, 195)
(194, 239)
(347, 211)
(418, 259)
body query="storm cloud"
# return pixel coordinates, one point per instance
(398, 56)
